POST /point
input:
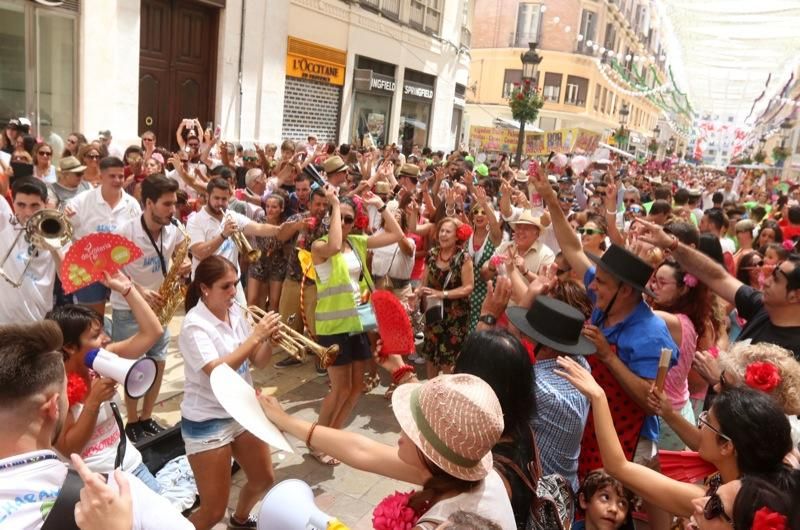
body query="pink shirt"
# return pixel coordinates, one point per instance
(676, 385)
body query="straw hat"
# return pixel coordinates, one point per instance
(455, 420)
(527, 218)
(334, 164)
(70, 164)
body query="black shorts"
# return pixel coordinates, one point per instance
(351, 347)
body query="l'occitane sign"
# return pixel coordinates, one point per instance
(308, 60)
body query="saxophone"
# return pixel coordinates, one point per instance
(173, 289)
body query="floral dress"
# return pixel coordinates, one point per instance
(481, 256)
(443, 339)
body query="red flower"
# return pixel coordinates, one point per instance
(766, 519)
(520, 96)
(311, 223)
(527, 82)
(361, 222)
(393, 513)
(463, 232)
(762, 376)
(76, 388)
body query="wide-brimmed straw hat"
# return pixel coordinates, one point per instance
(455, 420)
(334, 164)
(527, 218)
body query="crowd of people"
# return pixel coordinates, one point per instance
(546, 301)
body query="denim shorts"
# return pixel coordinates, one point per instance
(124, 326)
(200, 436)
(142, 473)
(92, 294)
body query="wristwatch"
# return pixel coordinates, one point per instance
(382, 208)
(487, 319)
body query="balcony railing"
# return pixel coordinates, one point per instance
(391, 8)
(521, 39)
(417, 16)
(373, 4)
(432, 21)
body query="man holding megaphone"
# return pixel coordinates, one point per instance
(91, 429)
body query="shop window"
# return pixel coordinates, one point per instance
(511, 77)
(552, 87)
(45, 90)
(528, 16)
(577, 88)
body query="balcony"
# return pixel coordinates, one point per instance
(521, 39)
(417, 16)
(388, 8)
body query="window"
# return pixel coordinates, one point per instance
(609, 42)
(527, 24)
(596, 104)
(603, 100)
(552, 87)
(426, 15)
(577, 88)
(588, 30)
(612, 105)
(511, 77)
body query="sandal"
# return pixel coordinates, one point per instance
(324, 459)
(370, 383)
(389, 391)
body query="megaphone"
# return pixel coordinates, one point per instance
(136, 376)
(290, 505)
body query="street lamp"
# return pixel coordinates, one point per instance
(624, 111)
(656, 133)
(786, 128)
(530, 73)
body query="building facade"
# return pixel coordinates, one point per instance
(377, 71)
(597, 56)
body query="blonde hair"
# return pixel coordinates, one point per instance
(742, 354)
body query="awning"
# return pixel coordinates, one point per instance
(615, 150)
(514, 124)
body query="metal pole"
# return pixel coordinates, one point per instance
(520, 141)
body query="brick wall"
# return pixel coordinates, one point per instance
(495, 21)
(311, 107)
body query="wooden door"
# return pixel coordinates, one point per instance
(177, 59)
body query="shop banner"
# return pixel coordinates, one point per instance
(494, 139)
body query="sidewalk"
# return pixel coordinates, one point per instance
(346, 493)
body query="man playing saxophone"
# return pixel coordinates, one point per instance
(157, 236)
(34, 297)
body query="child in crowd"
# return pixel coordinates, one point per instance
(605, 502)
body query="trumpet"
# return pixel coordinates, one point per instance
(46, 229)
(296, 344)
(245, 248)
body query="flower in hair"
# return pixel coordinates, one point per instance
(788, 245)
(394, 513)
(762, 376)
(766, 519)
(463, 232)
(690, 280)
(76, 388)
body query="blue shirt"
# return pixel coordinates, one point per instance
(639, 339)
(561, 413)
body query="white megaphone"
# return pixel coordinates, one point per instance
(290, 506)
(136, 376)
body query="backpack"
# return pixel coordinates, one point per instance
(553, 503)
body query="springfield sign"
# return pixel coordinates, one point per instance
(496, 139)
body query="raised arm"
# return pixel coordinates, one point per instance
(321, 249)
(567, 239)
(611, 215)
(150, 329)
(495, 229)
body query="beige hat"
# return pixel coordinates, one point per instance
(527, 218)
(334, 164)
(455, 420)
(70, 164)
(383, 188)
(409, 170)
(521, 176)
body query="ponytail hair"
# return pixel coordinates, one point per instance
(208, 271)
(440, 485)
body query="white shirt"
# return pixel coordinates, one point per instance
(190, 191)
(727, 245)
(34, 298)
(201, 227)
(392, 261)
(29, 490)
(146, 271)
(93, 213)
(205, 338)
(100, 451)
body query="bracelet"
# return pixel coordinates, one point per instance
(674, 245)
(400, 372)
(610, 212)
(382, 208)
(127, 291)
(310, 433)
(444, 295)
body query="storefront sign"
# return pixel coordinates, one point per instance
(307, 60)
(495, 139)
(382, 82)
(417, 90)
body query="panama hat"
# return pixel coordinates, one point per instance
(409, 170)
(70, 164)
(334, 164)
(554, 324)
(626, 267)
(527, 218)
(455, 420)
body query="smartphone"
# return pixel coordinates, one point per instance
(209, 125)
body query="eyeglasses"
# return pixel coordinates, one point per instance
(348, 219)
(45, 153)
(250, 158)
(92, 157)
(590, 231)
(715, 509)
(702, 419)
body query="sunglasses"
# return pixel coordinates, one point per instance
(629, 201)
(478, 211)
(777, 271)
(148, 139)
(565, 199)
(193, 146)
(635, 209)
(45, 153)
(715, 509)
(92, 157)
(348, 219)
(589, 231)
(702, 419)
(250, 159)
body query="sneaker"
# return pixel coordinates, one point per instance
(150, 427)
(134, 432)
(287, 362)
(250, 522)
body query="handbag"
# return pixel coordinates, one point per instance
(434, 307)
(366, 313)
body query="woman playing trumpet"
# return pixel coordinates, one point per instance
(216, 332)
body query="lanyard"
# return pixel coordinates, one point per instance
(160, 251)
(29, 460)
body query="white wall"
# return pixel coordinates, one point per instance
(109, 69)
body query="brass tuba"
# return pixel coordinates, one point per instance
(296, 344)
(173, 288)
(46, 229)
(244, 246)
